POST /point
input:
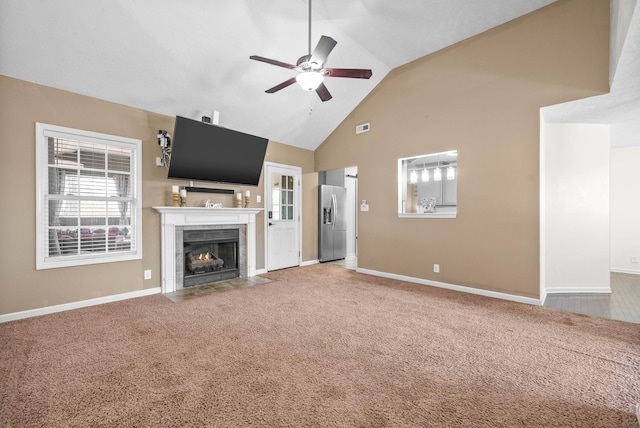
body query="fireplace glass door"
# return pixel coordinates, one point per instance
(210, 256)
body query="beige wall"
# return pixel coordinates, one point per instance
(22, 104)
(481, 97)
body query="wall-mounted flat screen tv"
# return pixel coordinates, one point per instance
(200, 151)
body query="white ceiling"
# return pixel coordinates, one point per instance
(621, 106)
(191, 57)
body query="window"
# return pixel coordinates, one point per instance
(89, 198)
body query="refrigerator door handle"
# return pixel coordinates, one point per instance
(334, 202)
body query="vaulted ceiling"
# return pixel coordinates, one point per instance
(191, 57)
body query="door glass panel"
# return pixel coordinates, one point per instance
(275, 197)
(282, 197)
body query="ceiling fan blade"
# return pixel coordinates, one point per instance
(272, 61)
(281, 86)
(323, 92)
(356, 73)
(322, 50)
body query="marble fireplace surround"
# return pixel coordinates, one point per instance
(176, 219)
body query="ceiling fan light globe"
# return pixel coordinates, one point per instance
(309, 80)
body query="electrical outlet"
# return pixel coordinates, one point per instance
(147, 274)
(258, 199)
(436, 268)
(159, 161)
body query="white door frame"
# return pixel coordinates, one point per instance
(298, 201)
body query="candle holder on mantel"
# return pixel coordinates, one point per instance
(246, 201)
(175, 196)
(238, 200)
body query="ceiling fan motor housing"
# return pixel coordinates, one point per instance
(305, 64)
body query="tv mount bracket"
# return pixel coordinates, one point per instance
(164, 141)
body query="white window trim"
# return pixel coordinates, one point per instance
(43, 132)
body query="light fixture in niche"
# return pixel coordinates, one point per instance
(437, 174)
(451, 173)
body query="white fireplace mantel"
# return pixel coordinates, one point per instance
(201, 216)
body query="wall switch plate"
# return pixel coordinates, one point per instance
(364, 206)
(436, 268)
(258, 198)
(159, 161)
(147, 274)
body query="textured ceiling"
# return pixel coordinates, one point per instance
(191, 57)
(621, 107)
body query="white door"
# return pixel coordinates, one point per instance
(282, 216)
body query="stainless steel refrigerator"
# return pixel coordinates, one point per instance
(332, 223)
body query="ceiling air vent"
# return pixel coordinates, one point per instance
(365, 127)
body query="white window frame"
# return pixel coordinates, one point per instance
(43, 260)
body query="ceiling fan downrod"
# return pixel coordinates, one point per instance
(309, 50)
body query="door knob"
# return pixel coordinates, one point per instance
(270, 224)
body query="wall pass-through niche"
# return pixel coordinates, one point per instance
(428, 185)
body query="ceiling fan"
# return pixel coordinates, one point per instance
(311, 70)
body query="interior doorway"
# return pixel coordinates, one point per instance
(347, 178)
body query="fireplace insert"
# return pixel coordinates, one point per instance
(210, 256)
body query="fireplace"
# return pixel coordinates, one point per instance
(178, 220)
(210, 255)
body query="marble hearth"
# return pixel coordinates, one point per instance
(175, 220)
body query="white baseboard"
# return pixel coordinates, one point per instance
(543, 296)
(590, 290)
(631, 271)
(306, 263)
(75, 305)
(471, 290)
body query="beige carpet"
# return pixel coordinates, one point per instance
(320, 346)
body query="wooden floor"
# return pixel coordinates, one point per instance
(622, 304)
(350, 263)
